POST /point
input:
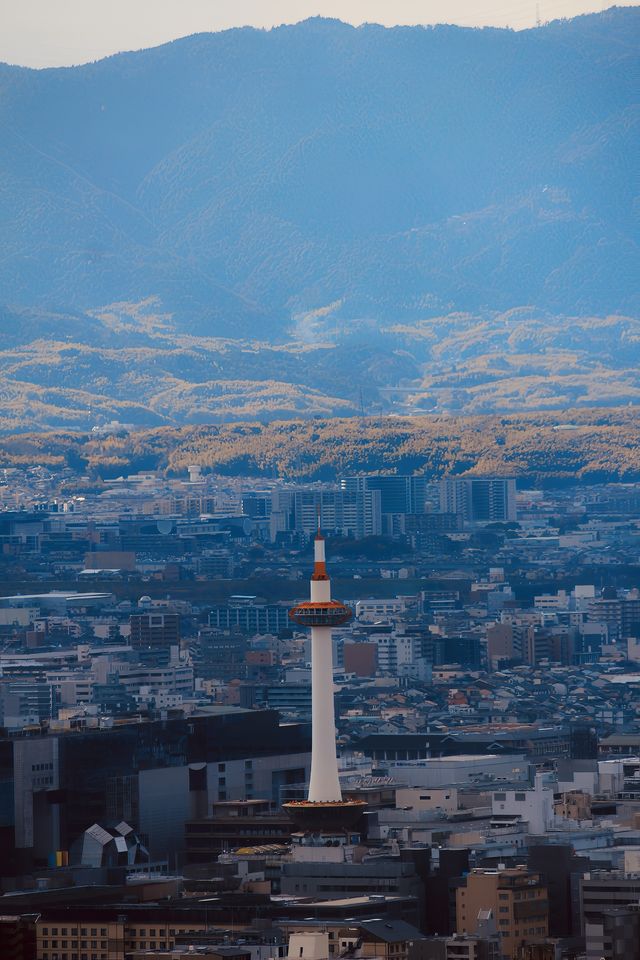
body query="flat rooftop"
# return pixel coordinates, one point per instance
(455, 759)
(56, 595)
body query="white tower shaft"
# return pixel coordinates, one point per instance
(324, 784)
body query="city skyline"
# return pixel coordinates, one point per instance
(342, 304)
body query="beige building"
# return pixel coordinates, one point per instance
(105, 940)
(192, 952)
(573, 805)
(365, 939)
(499, 642)
(517, 899)
(427, 798)
(56, 939)
(154, 940)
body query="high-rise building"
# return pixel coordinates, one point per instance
(346, 513)
(479, 499)
(398, 493)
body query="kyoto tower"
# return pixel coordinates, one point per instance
(324, 807)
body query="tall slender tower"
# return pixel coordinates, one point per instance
(324, 806)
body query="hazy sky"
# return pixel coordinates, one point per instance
(39, 33)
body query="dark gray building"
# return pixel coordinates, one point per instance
(24, 702)
(615, 935)
(403, 875)
(603, 890)
(398, 493)
(154, 775)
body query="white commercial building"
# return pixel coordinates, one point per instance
(534, 806)
(459, 770)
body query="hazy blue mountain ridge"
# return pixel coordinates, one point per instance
(249, 177)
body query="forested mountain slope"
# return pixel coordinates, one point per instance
(322, 220)
(249, 177)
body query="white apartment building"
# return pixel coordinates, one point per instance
(372, 610)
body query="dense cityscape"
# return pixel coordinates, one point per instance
(156, 706)
(319, 480)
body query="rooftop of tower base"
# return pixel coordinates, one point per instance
(327, 613)
(320, 816)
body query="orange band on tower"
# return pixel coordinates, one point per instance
(319, 571)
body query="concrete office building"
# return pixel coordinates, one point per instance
(248, 614)
(620, 613)
(402, 875)
(256, 504)
(175, 678)
(395, 650)
(443, 771)
(25, 702)
(155, 630)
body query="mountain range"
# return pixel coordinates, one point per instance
(322, 219)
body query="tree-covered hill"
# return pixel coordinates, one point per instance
(591, 446)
